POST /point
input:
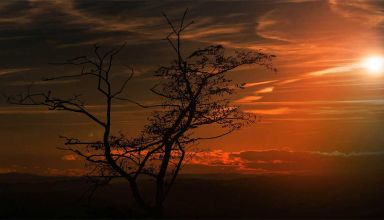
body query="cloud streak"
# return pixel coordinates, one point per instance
(277, 161)
(274, 111)
(13, 70)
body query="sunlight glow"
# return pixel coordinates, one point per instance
(374, 65)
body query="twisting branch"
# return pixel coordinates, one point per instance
(124, 84)
(145, 106)
(45, 99)
(192, 92)
(196, 84)
(177, 168)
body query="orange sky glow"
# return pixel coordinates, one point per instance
(321, 112)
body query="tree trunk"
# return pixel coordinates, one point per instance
(136, 195)
(158, 211)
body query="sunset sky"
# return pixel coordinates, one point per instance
(322, 111)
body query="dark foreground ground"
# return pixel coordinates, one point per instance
(198, 196)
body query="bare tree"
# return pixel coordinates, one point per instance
(194, 91)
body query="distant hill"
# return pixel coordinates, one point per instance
(199, 196)
(14, 176)
(28, 177)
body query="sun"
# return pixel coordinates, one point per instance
(374, 65)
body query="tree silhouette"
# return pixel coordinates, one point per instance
(194, 91)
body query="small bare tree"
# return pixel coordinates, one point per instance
(194, 91)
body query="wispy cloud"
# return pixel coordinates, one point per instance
(248, 99)
(13, 70)
(280, 161)
(273, 111)
(265, 90)
(247, 85)
(347, 68)
(41, 82)
(325, 102)
(367, 11)
(69, 157)
(348, 154)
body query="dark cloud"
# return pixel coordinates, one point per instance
(289, 162)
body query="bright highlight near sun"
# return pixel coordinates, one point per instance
(374, 65)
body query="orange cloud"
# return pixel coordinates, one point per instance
(248, 99)
(214, 158)
(69, 157)
(288, 81)
(265, 90)
(358, 10)
(259, 83)
(275, 111)
(276, 161)
(339, 69)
